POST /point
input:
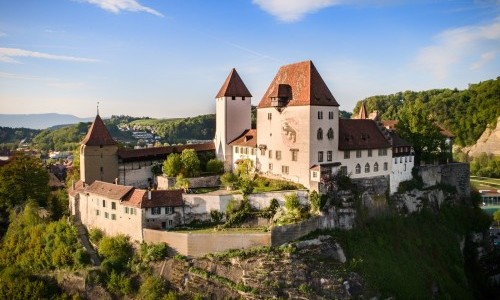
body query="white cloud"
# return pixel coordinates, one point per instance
(116, 6)
(478, 43)
(7, 55)
(293, 10)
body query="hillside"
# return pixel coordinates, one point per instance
(489, 142)
(466, 113)
(39, 121)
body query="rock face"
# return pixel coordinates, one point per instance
(311, 269)
(413, 201)
(489, 142)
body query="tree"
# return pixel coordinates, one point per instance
(22, 179)
(245, 168)
(229, 180)
(417, 126)
(172, 165)
(215, 166)
(190, 163)
(496, 216)
(181, 182)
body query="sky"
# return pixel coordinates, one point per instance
(169, 58)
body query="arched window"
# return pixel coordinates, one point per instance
(330, 134)
(367, 168)
(358, 169)
(320, 134)
(375, 167)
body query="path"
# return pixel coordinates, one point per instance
(84, 239)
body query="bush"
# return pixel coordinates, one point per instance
(153, 252)
(152, 288)
(216, 216)
(315, 201)
(229, 179)
(172, 165)
(181, 182)
(215, 166)
(96, 235)
(117, 251)
(292, 202)
(119, 284)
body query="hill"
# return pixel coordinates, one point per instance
(39, 121)
(466, 113)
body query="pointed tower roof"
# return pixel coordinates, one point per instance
(362, 112)
(304, 86)
(233, 86)
(98, 134)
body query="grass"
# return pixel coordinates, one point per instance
(405, 257)
(485, 183)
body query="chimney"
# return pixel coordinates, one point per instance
(116, 180)
(149, 194)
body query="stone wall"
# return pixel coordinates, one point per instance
(165, 183)
(374, 185)
(454, 174)
(199, 244)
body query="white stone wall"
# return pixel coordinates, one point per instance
(128, 224)
(400, 171)
(136, 176)
(232, 118)
(363, 160)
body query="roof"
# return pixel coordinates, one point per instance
(303, 85)
(389, 124)
(398, 141)
(445, 132)
(247, 139)
(109, 190)
(362, 112)
(159, 198)
(75, 188)
(160, 152)
(98, 134)
(355, 134)
(233, 86)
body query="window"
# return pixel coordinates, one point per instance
(367, 168)
(347, 154)
(343, 170)
(103, 203)
(320, 156)
(330, 115)
(126, 209)
(113, 217)
(170, 223)
(156, 210)
(270, 153)
(113, 205)
(262, 151)
(320, 115)
(278, 155)
(320, 134)
(410, 158)
(294, 154)
(330, 134)
(385, 166)
(401, 159)
(97, 212)
(132, 211)
(358, 169)
(315, 174)
(328, 155)
(169, 210)
(375, 167)
(270, 167)
(369, 152)
(243, 98)
(395, 160)
(233, 98)
(246, 150)
(236, 149)
(254, 151)
(284, 169)
(382, 152)
(106, 215)
(358, 153)
(269, 116)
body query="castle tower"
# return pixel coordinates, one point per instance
(233, 115)
(98, 154)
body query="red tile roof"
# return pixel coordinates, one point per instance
(98, 134)
(160, 152)
(247, 139)
(357, 134)
(109, 190)
(233, 86)
(389, 124)
(303, 82)
(76, 188)
(139, 198)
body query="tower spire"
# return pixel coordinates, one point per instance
(97, 107)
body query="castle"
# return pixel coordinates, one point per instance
(299, 137)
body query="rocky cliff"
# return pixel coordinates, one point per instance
(489, 142)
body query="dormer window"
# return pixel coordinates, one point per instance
(280, 96)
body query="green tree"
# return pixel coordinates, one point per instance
(215, 166)
(229, 180)
(22, 179)
(152, 288)
(116, 252)
(417, 126)
(190, 163)
(172, 165)
(181, 182)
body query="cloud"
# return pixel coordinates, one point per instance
(455, 46)
(116, 6)
(7, 55)
(2, 34)
(293, 10)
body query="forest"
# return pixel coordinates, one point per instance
(465, 113)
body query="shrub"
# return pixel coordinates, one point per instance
(117, 251)
(152, 288)
(292, 202)
(216, 216)
(315, 201)
(119, 283)
(153, 252)
(181, 182)
(229, 179)
(215, 166)
(96, 235)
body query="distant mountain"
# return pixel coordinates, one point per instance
(39, 121)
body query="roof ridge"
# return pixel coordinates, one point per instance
(233, 86)
(98, 134)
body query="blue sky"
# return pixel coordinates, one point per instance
(168, 58)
